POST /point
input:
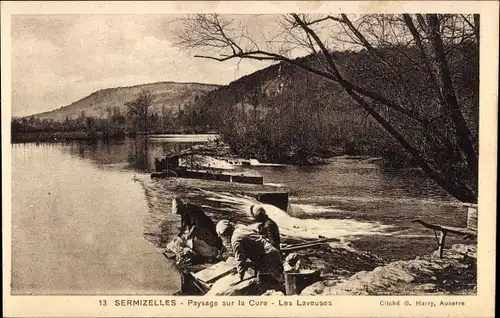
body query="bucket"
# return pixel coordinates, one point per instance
(471, 216)
(295, 282)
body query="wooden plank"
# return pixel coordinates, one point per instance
(297, 248)
(203, 287)
(212, 273)
(224, 285)
(449, 229)
(470, 205)
(313, 242)
(459, 230)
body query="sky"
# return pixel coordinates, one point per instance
(59, 59)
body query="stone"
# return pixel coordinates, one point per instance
(429, 287)
(295, 262)
(273, 292)
(315, 289)
(468, 250)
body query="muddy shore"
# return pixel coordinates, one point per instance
(342, 262)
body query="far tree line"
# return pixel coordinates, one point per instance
(139, 116)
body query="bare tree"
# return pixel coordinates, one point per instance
(139, 110)
(429, 124)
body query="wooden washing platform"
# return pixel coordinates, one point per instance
(201, 278)
(466, 233)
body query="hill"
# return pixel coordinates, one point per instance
(171, 96)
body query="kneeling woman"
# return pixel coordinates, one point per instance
(198, 226)
(249, 245)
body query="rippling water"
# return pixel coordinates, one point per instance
(77, 211)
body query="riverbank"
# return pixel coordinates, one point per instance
(339, 261)
(454, 274)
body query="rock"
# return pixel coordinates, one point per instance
(447, 254)
(466, 250)
(273, 292)
(421, 267)
(458, 252)
(314, 160)
(314, 289)
(295, 262)
(429, 287)
(318, 287)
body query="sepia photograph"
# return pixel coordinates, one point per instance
(241, 154)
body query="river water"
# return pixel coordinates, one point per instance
(78, 214)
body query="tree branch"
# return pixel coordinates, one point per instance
(366, 98)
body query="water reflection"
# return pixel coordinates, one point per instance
(133, 153)
(72, 220)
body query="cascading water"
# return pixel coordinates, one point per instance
(304, 228)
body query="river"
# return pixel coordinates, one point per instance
(78, 214)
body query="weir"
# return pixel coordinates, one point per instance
(170, 168)
(182, 172)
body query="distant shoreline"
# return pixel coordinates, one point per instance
(57, 136)
(61, 136)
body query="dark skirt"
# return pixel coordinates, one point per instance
(270, 264)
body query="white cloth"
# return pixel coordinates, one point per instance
(222, 227)
(174, 206)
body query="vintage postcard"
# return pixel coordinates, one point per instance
(249, 159)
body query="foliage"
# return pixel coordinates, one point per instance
(415, 76)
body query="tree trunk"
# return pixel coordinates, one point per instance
(444, 79)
